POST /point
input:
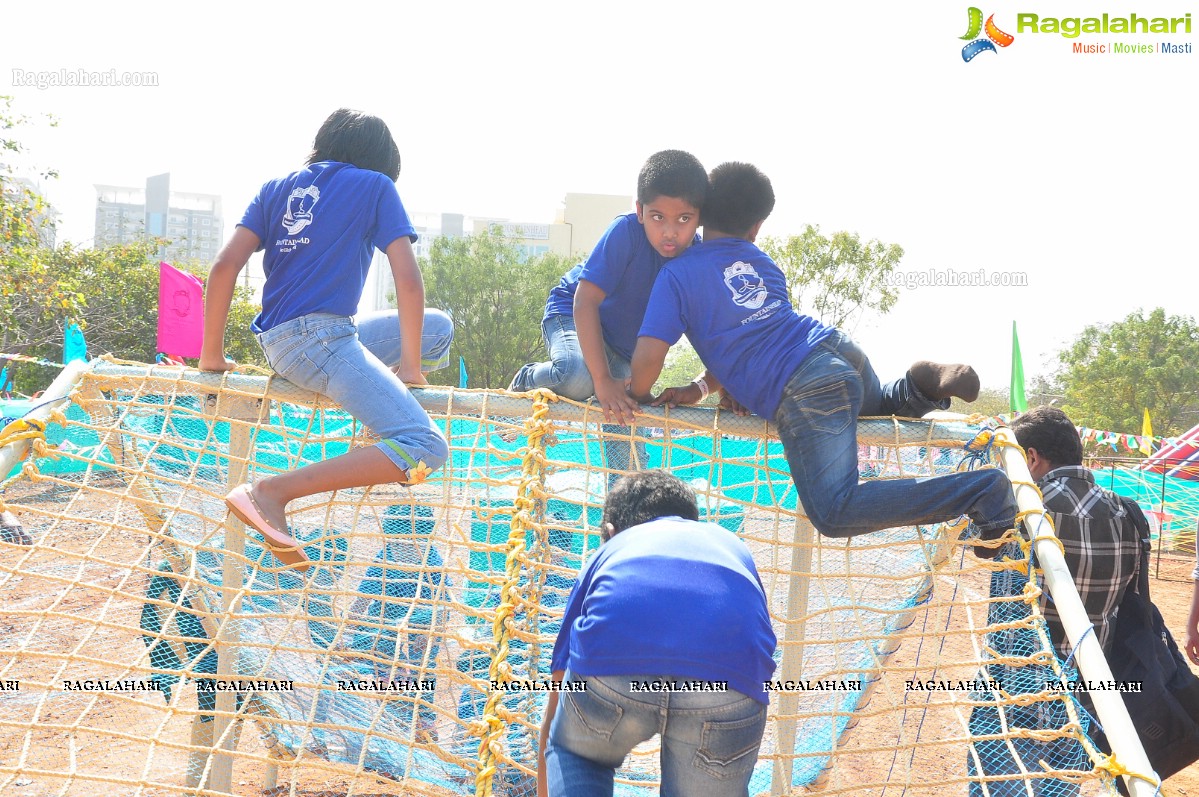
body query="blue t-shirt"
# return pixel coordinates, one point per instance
(320, 227)
(731, 301)
(623, 265)
(670, 597)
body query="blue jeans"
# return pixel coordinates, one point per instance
(817, 423)
(710, 740)
(566, 374)
(351, 364)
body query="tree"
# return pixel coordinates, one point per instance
(682, 365)
(836, 280)
(32, 291)
(115, 304)
(990, 402)
(1113, 372)
(496, 296)
(112, 293)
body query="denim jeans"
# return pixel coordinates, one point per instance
(566, 374)
(351, 364)
(817, 423)
(710, 740)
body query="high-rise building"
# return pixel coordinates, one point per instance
(576, 229)
(190, 223)
(578, 225)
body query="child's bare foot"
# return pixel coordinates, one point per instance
(939, 381)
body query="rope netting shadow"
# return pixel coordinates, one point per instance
(149, 646)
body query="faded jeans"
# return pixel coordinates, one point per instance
(817, 423)
(566, 374)
(351, 364)
(710, 740)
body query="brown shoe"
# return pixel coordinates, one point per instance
(939, 381)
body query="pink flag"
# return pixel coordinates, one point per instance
(180, 312)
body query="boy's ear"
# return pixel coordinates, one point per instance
(640, 212)
(753, 231)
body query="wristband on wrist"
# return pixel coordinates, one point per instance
(702, 384)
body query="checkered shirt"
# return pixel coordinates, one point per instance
(1101, 546)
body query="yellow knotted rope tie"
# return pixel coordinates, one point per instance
(495, 716)
(1108, 765)
(34, 431)
(22, 429)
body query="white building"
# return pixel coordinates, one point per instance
(191, 222)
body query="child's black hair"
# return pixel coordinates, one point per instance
(640, 497)
(1051, 432)
(673, 173)
(739, 196)
(349, 136)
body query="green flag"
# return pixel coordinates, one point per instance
(1018, 402)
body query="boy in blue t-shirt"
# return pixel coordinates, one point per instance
(732, 302)
(593, 314)
(668, 627)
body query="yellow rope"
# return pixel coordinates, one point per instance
(22, 429)
(170, 494)
(533, 463)
(1109, 766)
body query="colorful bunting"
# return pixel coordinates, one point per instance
(1129, 442)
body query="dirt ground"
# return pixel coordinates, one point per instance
(72, 600)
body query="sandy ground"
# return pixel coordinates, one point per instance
(54, 743)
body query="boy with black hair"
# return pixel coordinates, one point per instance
(1097, 530)
(732, 302)
(593, 314)
(668, 626)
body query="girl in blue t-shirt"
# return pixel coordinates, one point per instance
(319, 228)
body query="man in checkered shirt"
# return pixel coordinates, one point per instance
(1101, 543)
(1102, 549)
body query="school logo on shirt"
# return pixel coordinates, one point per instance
(747, 287)
(299, 208)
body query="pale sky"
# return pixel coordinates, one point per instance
(1077, 170)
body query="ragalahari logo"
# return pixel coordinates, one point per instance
(981, 45)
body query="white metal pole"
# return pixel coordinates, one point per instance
(1109, 705)
(58, 392)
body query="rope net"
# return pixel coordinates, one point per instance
(148, 646)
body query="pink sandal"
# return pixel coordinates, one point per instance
(287, 549)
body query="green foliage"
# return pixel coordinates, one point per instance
(836, 280)
(496, 297)
(990, 402)
(682, 365)
(115, 303)
(1112, 372)
(112, 293)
